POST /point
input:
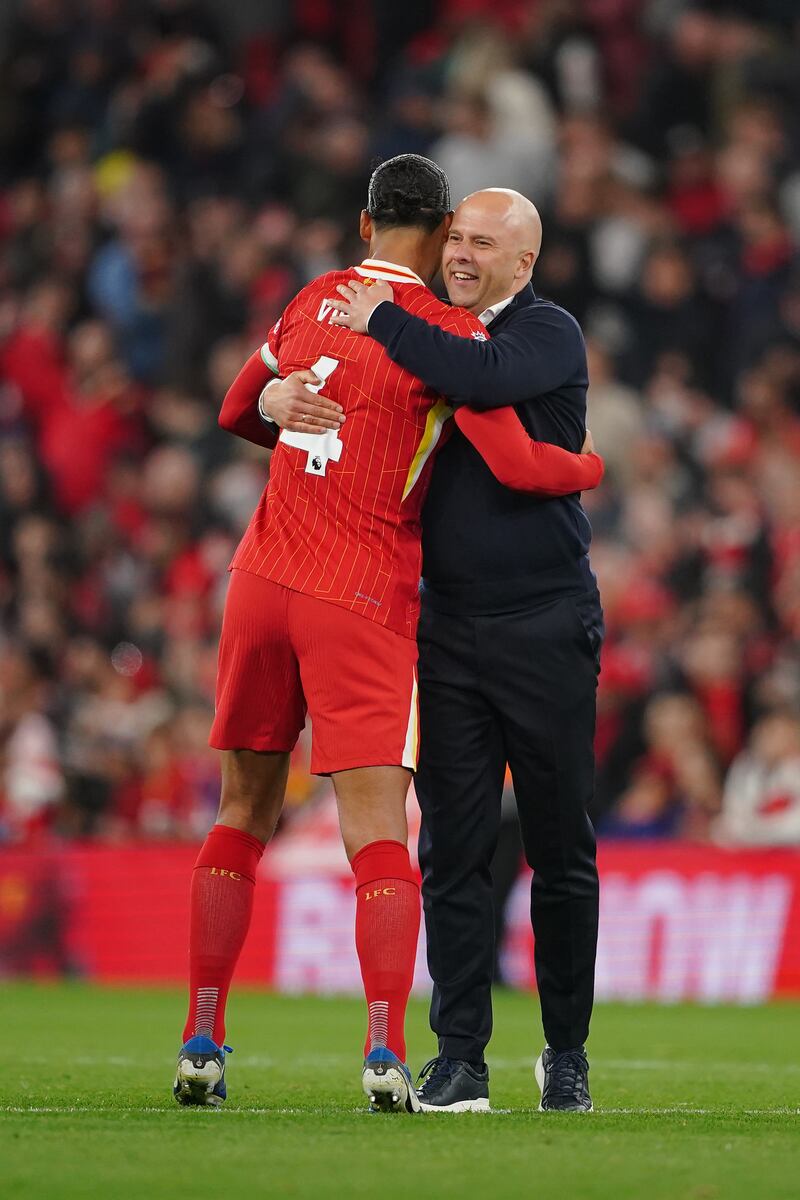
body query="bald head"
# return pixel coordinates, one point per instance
(492, 246)
(511, 211)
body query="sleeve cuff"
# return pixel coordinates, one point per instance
(385, 320)
(266, 420)
(269, 360)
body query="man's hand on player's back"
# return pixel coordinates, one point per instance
(356, 303)
(293, 405)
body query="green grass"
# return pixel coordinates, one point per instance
(691, 1104)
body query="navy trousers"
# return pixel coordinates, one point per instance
(517, 688)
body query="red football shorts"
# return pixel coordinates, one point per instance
(283, 653)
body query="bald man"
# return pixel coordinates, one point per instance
(509, 643)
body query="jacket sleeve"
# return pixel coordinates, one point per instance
(536, 352)
(518, 462)
(239, 412)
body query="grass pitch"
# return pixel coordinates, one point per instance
(691, 1104)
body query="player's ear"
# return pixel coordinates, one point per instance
(440, 233)
(365, 226)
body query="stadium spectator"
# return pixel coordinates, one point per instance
(674, 788)
(761, 802)
(32, 780)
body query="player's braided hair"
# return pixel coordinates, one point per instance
(408, 190)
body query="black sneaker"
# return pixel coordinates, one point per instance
(453, 1086)
(564, 1080)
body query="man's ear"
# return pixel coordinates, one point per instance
(447, 222)
(365, 226)
(525, 264)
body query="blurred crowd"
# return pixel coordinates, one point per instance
(171, 172)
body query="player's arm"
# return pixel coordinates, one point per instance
(521, 463)
(239, 413)
(541, 350)
(259, 404)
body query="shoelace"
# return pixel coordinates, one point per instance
(567, 1073)
(436, 1070)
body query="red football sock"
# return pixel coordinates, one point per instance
(223, 883)
(387, 928)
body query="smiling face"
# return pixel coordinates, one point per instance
(491, 248)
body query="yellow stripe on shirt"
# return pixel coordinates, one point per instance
(437, 415)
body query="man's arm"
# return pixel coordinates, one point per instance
(536, 352)
(519, 462)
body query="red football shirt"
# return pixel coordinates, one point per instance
(340, 517)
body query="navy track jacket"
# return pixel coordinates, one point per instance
(487, 549)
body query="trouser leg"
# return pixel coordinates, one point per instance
(459, 784)
(544, 684)
(505, 872)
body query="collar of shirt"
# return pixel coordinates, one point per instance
(494, 310)
(376, 268)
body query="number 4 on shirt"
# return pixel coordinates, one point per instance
(321, 448)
